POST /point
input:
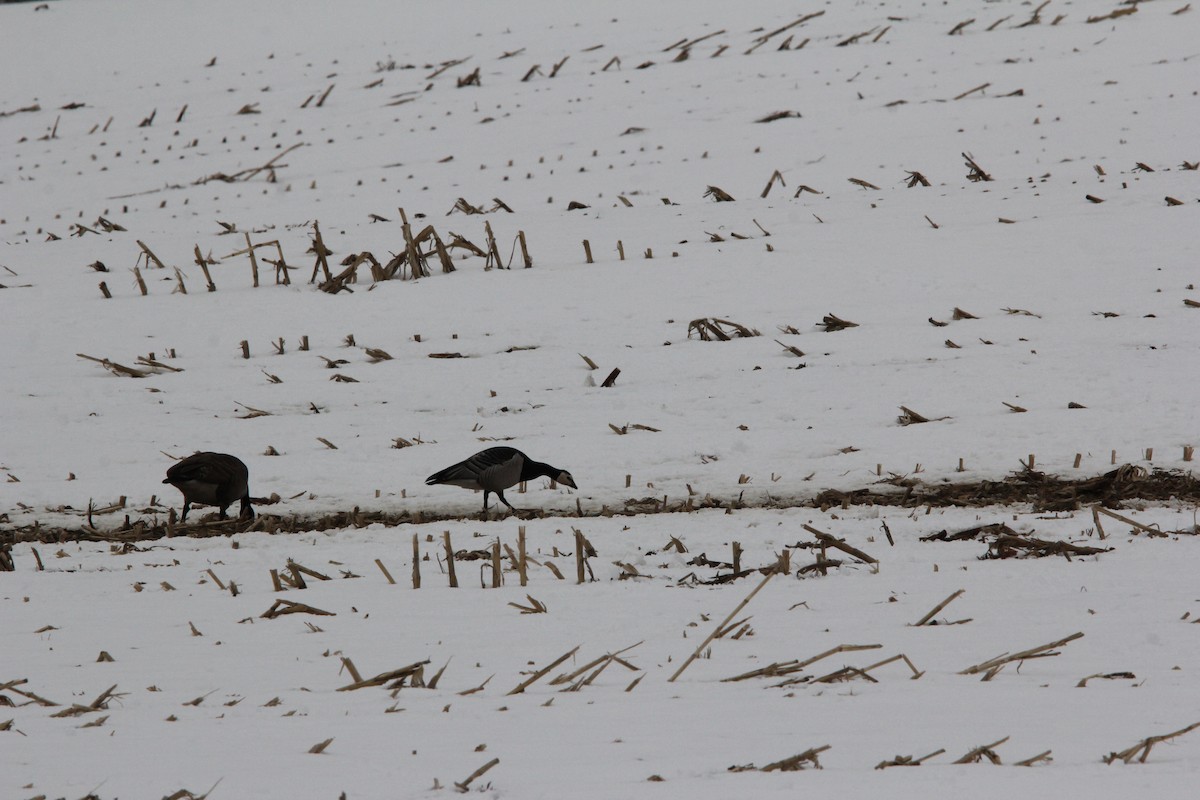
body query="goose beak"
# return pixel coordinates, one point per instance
(566, 480)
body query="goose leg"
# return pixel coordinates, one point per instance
(187, 506)
(515, 510)
(247, 512)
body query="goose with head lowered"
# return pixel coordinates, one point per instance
(496, 469)
(212, 479)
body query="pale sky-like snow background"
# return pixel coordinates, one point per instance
(1076, 301)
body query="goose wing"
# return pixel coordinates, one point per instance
(206, 468)
(492, 469)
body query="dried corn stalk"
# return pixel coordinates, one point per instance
(707, 329)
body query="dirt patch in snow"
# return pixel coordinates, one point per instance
(1037, 490)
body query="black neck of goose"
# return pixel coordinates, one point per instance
(537, 469)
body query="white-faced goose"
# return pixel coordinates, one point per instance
(496, 469)
(211, 479)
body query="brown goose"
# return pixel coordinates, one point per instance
(211, 479)
(496, 469)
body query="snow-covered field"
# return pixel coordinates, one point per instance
(1076, 265)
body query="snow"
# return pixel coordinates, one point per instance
(1104, 286)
